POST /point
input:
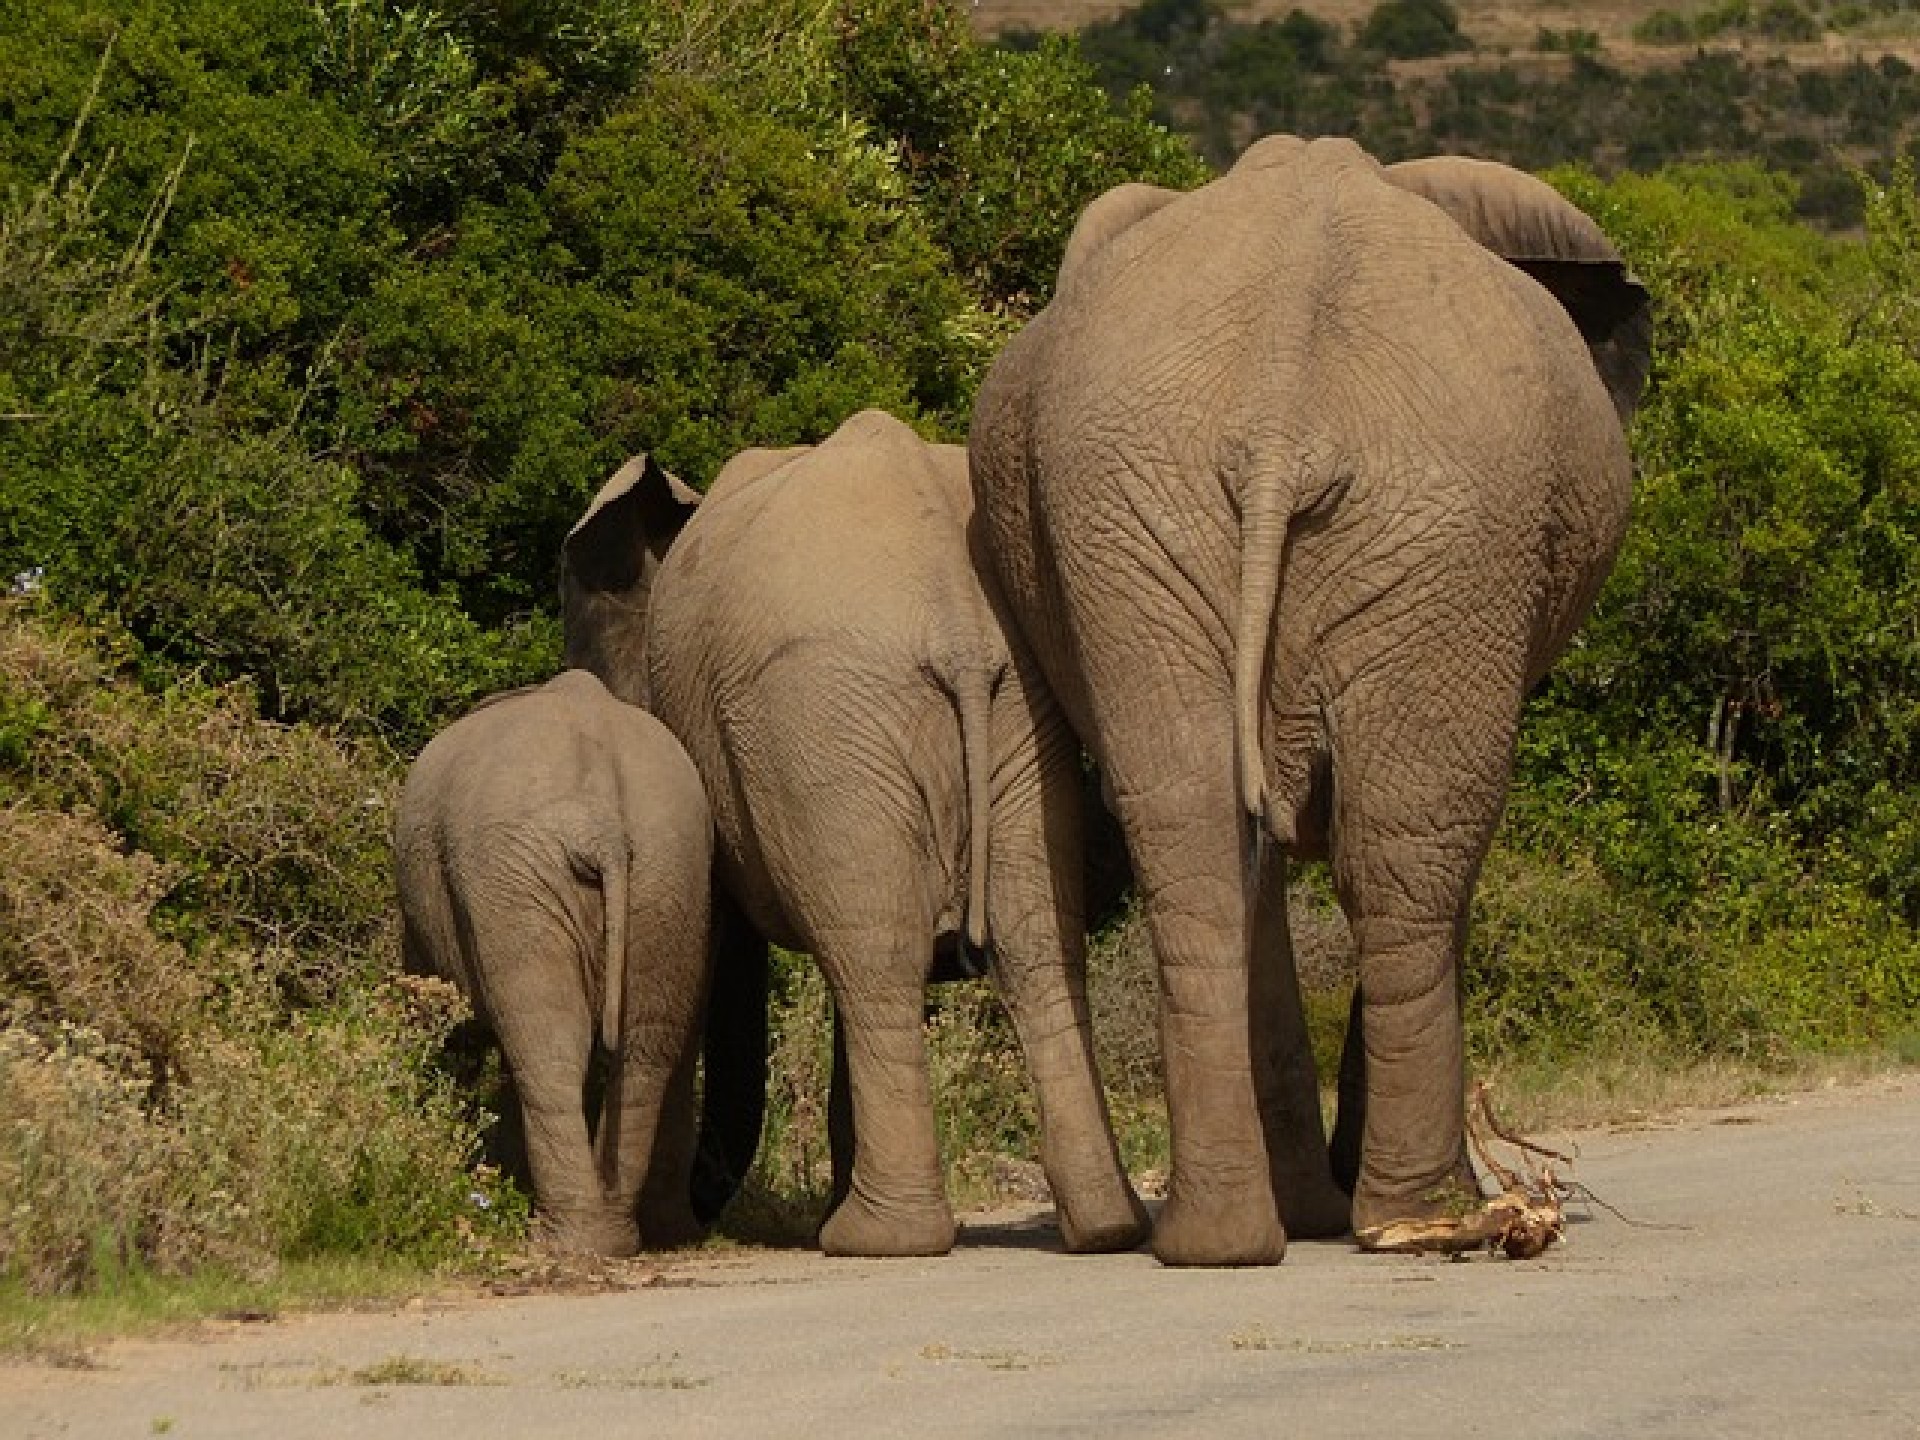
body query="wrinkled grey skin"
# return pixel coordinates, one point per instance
(1296, 487)
(888, 779)
(554, 851)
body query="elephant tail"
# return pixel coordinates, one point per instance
(1266, 512)
(973, 700)
(613, 862)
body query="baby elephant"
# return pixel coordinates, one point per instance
(554, 852)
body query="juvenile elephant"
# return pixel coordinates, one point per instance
(1297, 485)
(554, 851)
(888, 777)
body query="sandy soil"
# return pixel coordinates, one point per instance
(1767, 1288)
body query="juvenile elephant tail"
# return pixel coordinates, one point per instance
(612, 861)
(973, 700)
(1266, 510)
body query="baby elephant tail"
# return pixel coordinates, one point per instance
(612, 861)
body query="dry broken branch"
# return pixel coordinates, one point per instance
(1521, 1221)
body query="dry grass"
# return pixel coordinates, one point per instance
(1124, 991)
(61, 1329)
(414, 1370)
(1643, 1087)
(989, 1359)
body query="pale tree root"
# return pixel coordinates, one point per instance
(1519, 1222)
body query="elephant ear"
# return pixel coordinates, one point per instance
(607, 565)
(1534, 228)
(1106, 218)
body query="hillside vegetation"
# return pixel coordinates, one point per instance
(320, 320)
(1814, 91)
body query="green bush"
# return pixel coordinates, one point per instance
(144, 488)
(1710, 840)
(1410, 29)
(196, 936)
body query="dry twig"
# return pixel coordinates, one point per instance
(1521, 1221)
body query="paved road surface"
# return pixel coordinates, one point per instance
(1788, 1306)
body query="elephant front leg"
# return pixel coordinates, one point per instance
(665, 1193)
(896, 1202)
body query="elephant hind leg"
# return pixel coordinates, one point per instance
(1189, 843)
(1418, 791)
(528, 969)
(895, 1202)
(1312, 1205)
(1039, 950)
(642, 1146)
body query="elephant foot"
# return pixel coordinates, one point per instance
(1315, 1210)
(1229, 1227)
(1449, 1216)
(613, 1236)
(859, 1226)
(1118, 1221)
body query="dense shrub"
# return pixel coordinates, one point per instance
(693, 278)
(139, 480)
(1784, 20)
(260, 835)
(1663, 27)
(160, 1108)
(1410, 29)
(82, 1163)
(1018, 144)
(1781, 20)
(195, 940)
(1574, 41)
(1719, 773)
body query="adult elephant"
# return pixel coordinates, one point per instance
(1297, 485)
(890, 783)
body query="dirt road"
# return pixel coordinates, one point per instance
(1781, 1296)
